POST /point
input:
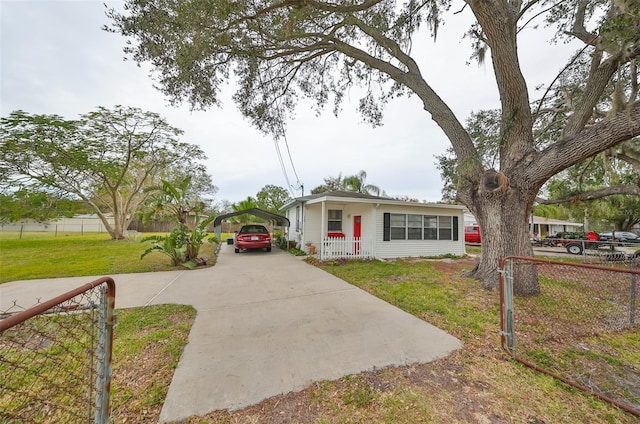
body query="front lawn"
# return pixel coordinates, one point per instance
(44, 255)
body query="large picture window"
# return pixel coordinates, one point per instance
(335, 220)
(399, 226)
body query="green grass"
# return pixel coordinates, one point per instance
(43, 255)
(475, 250)
(147, 345)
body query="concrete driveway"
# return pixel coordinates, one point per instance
(267, 324)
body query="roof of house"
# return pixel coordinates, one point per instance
(353, 197)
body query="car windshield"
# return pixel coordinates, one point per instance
(253, 229)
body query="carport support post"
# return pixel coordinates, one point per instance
(323, 228)
(217, 231)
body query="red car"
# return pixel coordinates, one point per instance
(253, 236)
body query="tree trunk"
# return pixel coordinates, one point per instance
(503, 215)
(116, 231)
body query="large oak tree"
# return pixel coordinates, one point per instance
(108, 158)
(282, 50)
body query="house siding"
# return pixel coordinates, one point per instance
(417, 248)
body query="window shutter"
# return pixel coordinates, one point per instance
(455, 228)
(387, 227)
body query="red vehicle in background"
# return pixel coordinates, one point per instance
(472, 234)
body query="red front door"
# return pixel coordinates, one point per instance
(357, 231)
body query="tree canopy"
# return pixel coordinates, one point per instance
(284, 50)
(37, 205)
(271, 198)
(107, 158)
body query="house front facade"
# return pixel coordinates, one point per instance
(345, 224)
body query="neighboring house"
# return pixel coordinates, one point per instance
(546, 227)
(345, 224)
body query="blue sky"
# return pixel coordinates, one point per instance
(55, 58)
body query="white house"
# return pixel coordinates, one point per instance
(345, 224)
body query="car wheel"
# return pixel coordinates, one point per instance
(268, 249)
(237, 250)
(574, 248)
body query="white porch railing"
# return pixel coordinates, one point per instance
(346, 247)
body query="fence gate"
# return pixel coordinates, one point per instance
(55, 358)
(582, 327)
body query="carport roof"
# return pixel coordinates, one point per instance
(278, 219)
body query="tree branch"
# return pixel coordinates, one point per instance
(568, 151)
(629, 190)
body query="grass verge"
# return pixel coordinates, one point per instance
(41, 255)
(148, 343)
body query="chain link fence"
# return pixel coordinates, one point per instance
(582, 327)
(55, 357)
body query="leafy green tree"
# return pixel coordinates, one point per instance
(330, 184)
(484, 129)
(107, 158)
(40, 206)
(284, 51)
(271, 198)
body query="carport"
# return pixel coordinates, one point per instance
(272, 218)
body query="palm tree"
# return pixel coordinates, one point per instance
(248, 203)
(356, 184)
(172, 200)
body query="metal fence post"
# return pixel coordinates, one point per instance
(634, 295)
(105, 343)
(506, 288)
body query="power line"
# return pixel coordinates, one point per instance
(279, 113)
(282, 166)
(286, 143)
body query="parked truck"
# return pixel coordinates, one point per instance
(472, 234)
